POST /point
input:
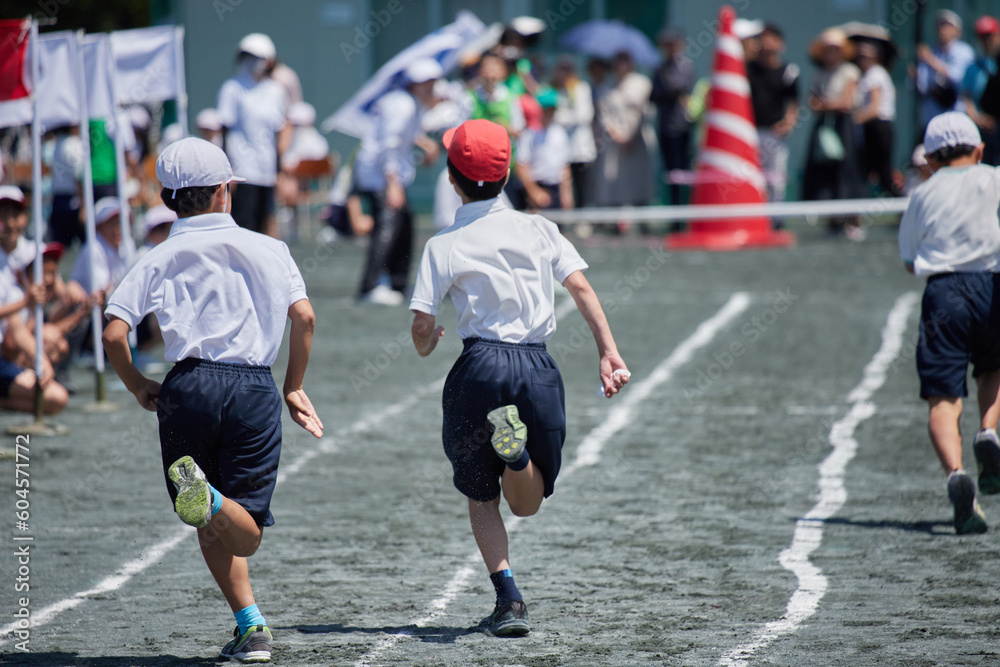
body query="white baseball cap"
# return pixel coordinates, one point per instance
(423, 69)
(302, 114)
(952, 128)
(745, 28)
(208, 119)
(11, 192)
(193, 163)
(258, 44)
(105, 209)
(158, 215)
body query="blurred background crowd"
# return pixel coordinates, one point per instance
(601, 113)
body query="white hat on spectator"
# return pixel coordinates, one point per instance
(139, 117)
(208, 119)
(105, 209)
(258, 44)
(11, 192)
(171, 133)
(158, 215)
(193, 163)
(919, 156)
(423, 69)
(952, 128)
(302, 114)
(948, 16)
(745, 28)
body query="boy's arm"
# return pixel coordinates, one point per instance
(425, 335)
(115, 338)
(299, 345)
(590, 307)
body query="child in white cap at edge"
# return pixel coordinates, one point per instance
(504, 403)
(221, 294)
(950, 234)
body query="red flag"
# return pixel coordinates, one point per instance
(13, 50)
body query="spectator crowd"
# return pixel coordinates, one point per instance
(582, 136)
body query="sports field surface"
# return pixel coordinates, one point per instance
(762, 493)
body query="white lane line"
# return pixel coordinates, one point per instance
(588, 453)
(832, 494)
(157, 551)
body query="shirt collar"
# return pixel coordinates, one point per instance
(477, 209)
(202, 223)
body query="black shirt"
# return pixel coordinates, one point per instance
(771, 89)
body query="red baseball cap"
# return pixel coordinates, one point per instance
(987, 25)
(53, 250)
(480, 150)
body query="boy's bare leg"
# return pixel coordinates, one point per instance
(230, 572)
(233, 526)
(944, 430)
(490, 533)
(988, 395)
(523, 490)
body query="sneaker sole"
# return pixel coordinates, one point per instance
(509, 433)
(969, 517)
(194, 502)
(511, 628)
(988, 462)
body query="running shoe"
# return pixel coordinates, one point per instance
(254, 645)
(987, 448)
(509, 433)
(969, 517)
(507, 620)
(194, 499)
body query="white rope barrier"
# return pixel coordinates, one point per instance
(865, 208)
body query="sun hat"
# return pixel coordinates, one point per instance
(193, 163)
(480, 150)
(952, 128)
(258, 44)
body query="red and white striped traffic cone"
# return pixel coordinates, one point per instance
(727, 169)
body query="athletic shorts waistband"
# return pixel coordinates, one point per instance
(224, 366)
(489, 342)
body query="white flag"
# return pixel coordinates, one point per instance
(443, 45)
(147, 61)
(58, 97)
(96, 51)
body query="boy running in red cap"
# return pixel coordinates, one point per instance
(504, 404)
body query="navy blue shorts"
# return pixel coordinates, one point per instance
(227, 417)
(488, 375)
(8, 372)
(959, 324)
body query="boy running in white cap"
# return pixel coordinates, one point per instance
(221, 295)
(500, 268)
(950, 234)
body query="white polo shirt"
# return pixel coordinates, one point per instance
(219, 292)
(387, 147)
(254, 112)
(500, 267)
(545, 152)
(111, 265)
(951, 224)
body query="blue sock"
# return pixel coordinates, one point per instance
(522, 462)
(248, 617)
(503, 584)
(216, 500)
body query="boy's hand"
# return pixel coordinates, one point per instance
(35, 294)
(425, 335)
(303, 412)
(613, 382)
(148, 394)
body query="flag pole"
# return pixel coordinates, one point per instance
(182, 97)
(100, 390)
(38, 426)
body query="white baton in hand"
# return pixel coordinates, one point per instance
(620, 371)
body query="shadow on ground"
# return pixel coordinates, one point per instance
(62, 659)
(929, 527)
(432, 635)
